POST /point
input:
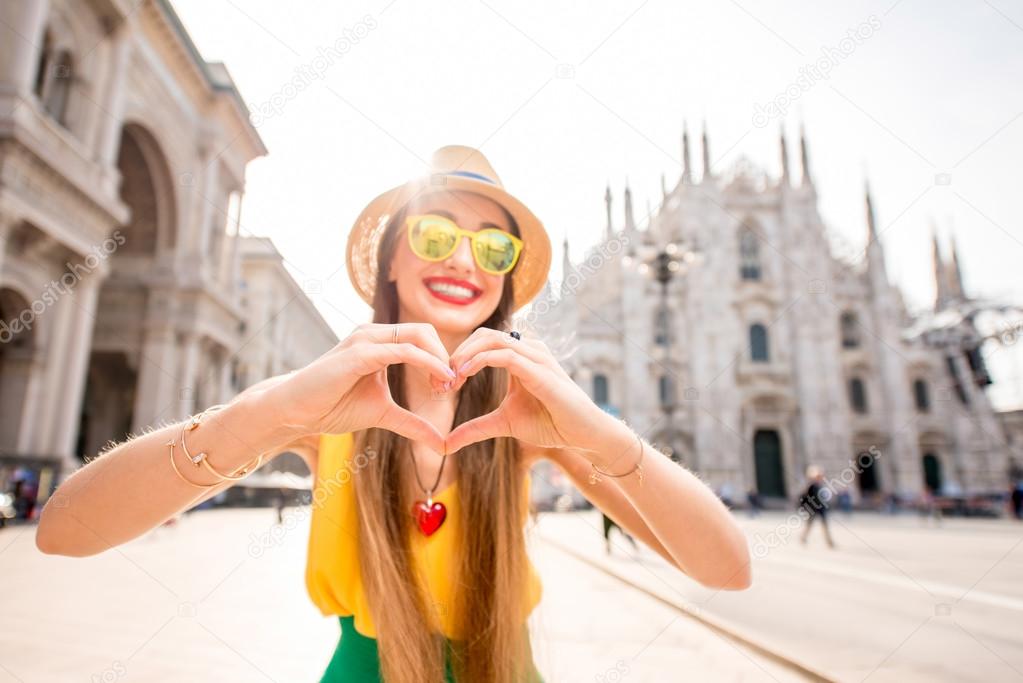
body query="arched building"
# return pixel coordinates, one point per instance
(122, 168)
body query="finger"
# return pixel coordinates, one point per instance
(535, 378)
(478, 429)
(400, 421)
(534, 350)
(370, 358)
(423, 335)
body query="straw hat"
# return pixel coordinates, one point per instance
(453, 167)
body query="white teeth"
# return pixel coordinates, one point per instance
(452, 290)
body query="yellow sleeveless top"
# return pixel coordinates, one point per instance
(332, 574)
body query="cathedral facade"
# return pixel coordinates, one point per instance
(730, 335)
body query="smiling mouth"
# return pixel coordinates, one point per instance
(451, 292)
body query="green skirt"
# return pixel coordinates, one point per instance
(356, 661)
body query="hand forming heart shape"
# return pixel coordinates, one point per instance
(346, 390)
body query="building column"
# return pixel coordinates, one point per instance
(22, 23)
(53, 327)
(189, 370)
(156, 392)
(6, 228)
(232, 268)
(86, 298)
(225, 391)
(236, 256)
(108, 137)
(29, 436)
(105, 81)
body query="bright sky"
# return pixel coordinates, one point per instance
(921, 97)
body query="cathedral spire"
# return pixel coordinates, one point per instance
(609, 230)
(687, 165)
(804, 156)
(955, 277)
(875, 252)
(630, 220)
(941, 294)
(871, 223)
(707, 175)
(784, 158)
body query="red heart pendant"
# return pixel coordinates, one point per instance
(429, 517)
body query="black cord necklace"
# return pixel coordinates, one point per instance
(429, 514)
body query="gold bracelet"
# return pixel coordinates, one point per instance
(183, 477)
(202, 458)
(596, 473)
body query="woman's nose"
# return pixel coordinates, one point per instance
(461, 260)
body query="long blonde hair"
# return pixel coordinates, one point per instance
(493, 567)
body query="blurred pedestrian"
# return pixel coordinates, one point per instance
(611, 524)
(814, 501)
(24, 501)
(725, 493)
(279, 506)
(929, 507)
(844, 498)
(1016, 488)
(753, 498)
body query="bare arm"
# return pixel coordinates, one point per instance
(692, 524)
(132, 488)
(605, 496)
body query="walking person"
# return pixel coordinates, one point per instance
(1016, 488)
(753, 500)
(929, 507)
(421, 429)
(610, 524)
(814, 501)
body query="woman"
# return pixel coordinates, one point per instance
(442, 592)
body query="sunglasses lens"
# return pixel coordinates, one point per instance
(433, 237)
(495, 250)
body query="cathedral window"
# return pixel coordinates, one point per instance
(600, 390)
(850, 329)
(921, 396)
(758, 343)
(42, 66)
(53, 84)
(749, 255)
(666, 391)
(858, 395)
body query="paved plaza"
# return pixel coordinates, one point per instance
(220, 597)
(898, 599)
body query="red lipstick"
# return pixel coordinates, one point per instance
(450, 297)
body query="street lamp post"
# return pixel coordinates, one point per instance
(663, 265)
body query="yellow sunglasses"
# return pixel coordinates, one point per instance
(435, 238)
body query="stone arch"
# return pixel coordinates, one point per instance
(147, 187)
